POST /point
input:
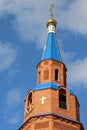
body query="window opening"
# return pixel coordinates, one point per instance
(62, 99)
(30, 98)
(77, 109)
(56, 74)
(29, 106)
(39, 76)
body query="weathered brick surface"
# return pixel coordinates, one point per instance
(41, 125)
(65, 126)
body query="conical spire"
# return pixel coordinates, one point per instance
(51, 49)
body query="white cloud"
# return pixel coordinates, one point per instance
(76, 69)
(75, 17)
(67, 57)
(77, 72)
(30, 15)
(13, 97)
(7, 56)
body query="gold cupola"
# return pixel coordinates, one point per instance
(51, 21)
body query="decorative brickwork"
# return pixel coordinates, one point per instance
(50, 121)
(41, 125)
(60, 126)
(46, 62)
(46, 74)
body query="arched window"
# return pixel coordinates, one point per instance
(39, 77)
(30, 99)
(56, 74)
(62, 99)
(29, 106)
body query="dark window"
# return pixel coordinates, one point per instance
(30, 98)
(29, 104)
(39, 77)
(77, 110)
(62, 99)
(56, 74)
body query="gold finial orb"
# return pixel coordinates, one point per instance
(51, 20)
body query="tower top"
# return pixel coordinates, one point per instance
(51, 20)
(51, 49)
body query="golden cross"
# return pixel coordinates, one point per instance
(51, 10)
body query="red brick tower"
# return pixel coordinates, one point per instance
(50, 105)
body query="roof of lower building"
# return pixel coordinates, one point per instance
(46, 85)
(49, 85)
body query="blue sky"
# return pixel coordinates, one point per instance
(22, 36)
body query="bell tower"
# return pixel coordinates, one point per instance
(51, 68)
(51, 105)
